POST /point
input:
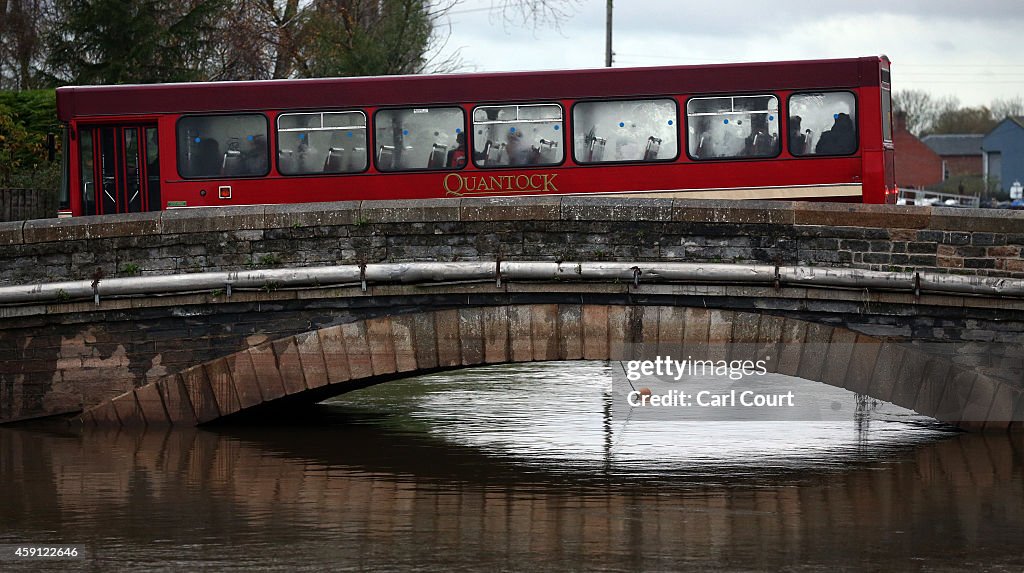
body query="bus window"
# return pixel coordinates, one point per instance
(518, 135)
(620, 131)
(222, 146)
(823, 123)
(418, 138)
(321, 142)
(733, 127)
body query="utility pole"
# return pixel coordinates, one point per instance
(608, 37)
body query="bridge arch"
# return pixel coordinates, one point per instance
(318, 364)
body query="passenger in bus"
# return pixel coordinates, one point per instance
(457, 156)
(208, 159)
(256, 155)
(797, 140)
(516, 151)
(840, 140)
(759, 143)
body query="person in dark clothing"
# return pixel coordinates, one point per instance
(840, 140)
(457, 156)
(797, 139)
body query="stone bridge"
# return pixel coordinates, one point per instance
(190, 316)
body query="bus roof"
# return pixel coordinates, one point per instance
(74, 102)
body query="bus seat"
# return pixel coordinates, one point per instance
(653, 145)
(286, 161)
(231, 164)
(333, 163)
(438, 155)
(386, 157)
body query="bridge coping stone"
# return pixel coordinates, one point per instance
(231, 218)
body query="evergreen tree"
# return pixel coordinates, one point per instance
(131, 41)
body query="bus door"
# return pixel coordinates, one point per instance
(120, 169)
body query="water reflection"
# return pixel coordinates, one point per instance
(443, 473)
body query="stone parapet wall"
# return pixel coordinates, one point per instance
(876, 237)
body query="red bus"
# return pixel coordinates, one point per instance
(817, 130)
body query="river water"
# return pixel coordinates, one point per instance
(516, 468)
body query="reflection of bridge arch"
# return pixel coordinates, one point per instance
(315, 365)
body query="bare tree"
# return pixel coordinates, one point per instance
(1007, 107)
(922, 110)
(534, 13)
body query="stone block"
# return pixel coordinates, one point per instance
(791, 346)
(977, 221)
(1001, 414)
(734, 212)
(496, 341)
(212, 219)
(544, 331)
(913, 369)
(449, 343)
(105, 415)
(838, 357)
(409, 211)
(128, 411)
(489, 209)
(176, 400)
(243, 377)
(332, 342)
(696, 333)
(815, 349)
(886, 376)
(570, 332)
(471, 336)
(267, 374)
(862, 364)
(218, 373)
(854, 215)
(575, 208)
(425, 335)
(151, 405)
(744, 336)
(979, 403)
(357, 348)
(11, 233)
(520, 333)
(932, 387)
(382, 346)
(402, 328)
(200, 395)
(956, 397)
(720, 327)
(595, 332)
(671, 321)
(298, 215)
(314, 369)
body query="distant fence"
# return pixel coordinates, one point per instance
(22, 204)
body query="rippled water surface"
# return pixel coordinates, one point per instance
(525, 467)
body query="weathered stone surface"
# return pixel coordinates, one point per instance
(382, 346)
(332, 342)
(357, 348)
(496, 341)
(312, 214)
(449, 348)
(176, 400)
(425, 336)
(544, 331)
(932, 387)
(200, 395)
(268, 375)
(837, 358)
(402, 328)
(471, 335)
(956, 397)
(595, 332)
(311, 355)
(243, 377)
(618, 336)
(487, 209)
(887, 371)
(912, 370)
(791, 346)
(862, 364)
(128, 411)
(570, 331)
(520, 333)
(151, 405)
(218, 373)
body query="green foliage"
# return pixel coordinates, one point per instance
(25, 120)
(367, 38)
(138, 41)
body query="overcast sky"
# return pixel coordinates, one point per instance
(971, 49)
